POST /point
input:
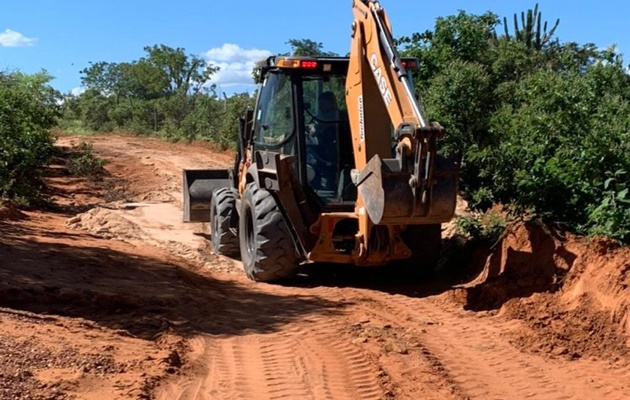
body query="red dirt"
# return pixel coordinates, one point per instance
(110, 296)
(570, 294)
(588, 315)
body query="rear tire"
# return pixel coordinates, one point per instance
(425, 243)
(222, 207)
(267, 250)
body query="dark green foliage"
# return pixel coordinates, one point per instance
(466, 107)
(542, 126)
(611, 217)
(233, 108)
(28, 109)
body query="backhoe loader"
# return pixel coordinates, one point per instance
(336, 163)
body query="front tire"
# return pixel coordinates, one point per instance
(267, 250)
(222, 209)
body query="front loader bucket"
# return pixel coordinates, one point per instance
(198, 187)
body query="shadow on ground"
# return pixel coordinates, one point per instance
(388, 279)
(528, 260)
(140, 291)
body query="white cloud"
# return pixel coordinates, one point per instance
(233, 53)
(235, 63)
(11, 38)
(77, 91)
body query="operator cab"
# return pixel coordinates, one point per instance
(301, 111)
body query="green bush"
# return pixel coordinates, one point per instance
(83, 161)
(28, 109)
(488, 227)
(611, 217)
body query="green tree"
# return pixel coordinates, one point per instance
(28, 109)
(179, 73)
(155, 93)
(163, 72)
(463, 37)
(307, 47)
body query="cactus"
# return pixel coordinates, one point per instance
(530, 31)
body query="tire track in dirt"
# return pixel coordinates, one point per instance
(222, 366)
(314, 362)
(345, 372)
(477, 356)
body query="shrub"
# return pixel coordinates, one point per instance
(28, 109)
(487, 227)
(84, 162)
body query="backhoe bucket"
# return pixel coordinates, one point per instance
(198, 187)
(389, 198)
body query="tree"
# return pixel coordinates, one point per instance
(104, 77)
(180, 73)
(307, 47)
(163, 72)
(157, 92)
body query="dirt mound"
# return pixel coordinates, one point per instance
(570, 294)
(528, 259)
(602, 272)
(45, 357)
(152, 224)
(107, 224)
(551, 327)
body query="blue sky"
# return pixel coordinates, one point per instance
(63, 36)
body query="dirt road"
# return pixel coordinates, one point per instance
(110, 296)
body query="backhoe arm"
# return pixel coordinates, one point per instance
(404, 186)
(373, 49)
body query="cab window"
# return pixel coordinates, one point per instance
(275, 120)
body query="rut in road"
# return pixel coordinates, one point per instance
(309, 362)
(478, 358)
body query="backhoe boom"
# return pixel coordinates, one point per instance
(407, 185)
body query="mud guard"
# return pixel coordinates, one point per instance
(198, 186)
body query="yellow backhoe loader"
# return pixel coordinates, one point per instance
(336, 163)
